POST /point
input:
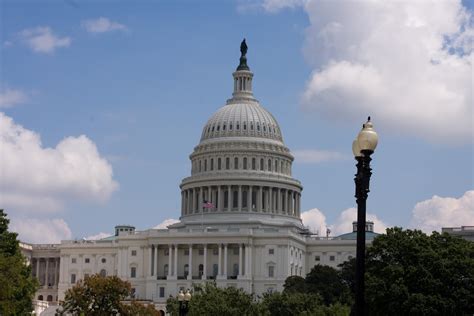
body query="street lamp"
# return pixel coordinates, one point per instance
(362, 147)
(183, 299)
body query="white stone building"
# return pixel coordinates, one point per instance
(249, 236)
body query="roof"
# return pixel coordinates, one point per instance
(353, 236)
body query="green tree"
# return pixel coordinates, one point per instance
(328, 283)
(294, 284)
(17, 286)
(410, 273)
(97, 296)
(215, 301)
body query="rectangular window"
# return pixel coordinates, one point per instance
(201, 252)
(186, 252)
(219, 164)
(271, 271)
(205, 165)
(317, 258)
(271, 251)
(134, 253)
(227, 163)
(254, 164)
(332, 258)
(73, 260)
(162, 291)
(236, 163)
(245, 163)
(87, 260)
(86, 275)
(133, 272)
(212, 164)
(73, 278)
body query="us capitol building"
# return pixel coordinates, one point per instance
(240, 219)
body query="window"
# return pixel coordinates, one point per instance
(73, 260)
(219, 164)
(261, 164)
(230, 126)
(86, 275)
(245, 126)
(133, 272)
(235, 202)
(167, 252)
(236, 269)
(103, 273)
(40, 297)
(87, 260)
(205, 164)
(215, 269)
(201, 252)
(212, 164)
(332, 258)
(103, 260)
(244, 198)
(186, 252)
(199, 165)
(271, 271)
(245, 163)
(215, 251)
(186, 270)
(201, 270)
(165, 269)
(162, 291)
(73, 278)
(238, 126)
(236, 251)
(317, 258)
(254, 164)
(236, 163)
(227, 163)
(271, 251)
(269, 166)
(134, 253)
(276, 166)
(226, 199)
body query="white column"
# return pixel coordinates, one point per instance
(182, 203)
(249, 200)
(260, 199)
(55, 268)
(229, 198)
(246, 260)
(241, 257)
(219, 265)
(47, 272)
(175, 270)
(225, 261)
(240, 199)
(150, 267)
(219, 198)
(209, 195)
(37, 268)
(156, 260)
(250, 261)
(204, 272)
(201, 199)
(170, 254)
(190, 262)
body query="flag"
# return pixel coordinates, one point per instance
(207, 204)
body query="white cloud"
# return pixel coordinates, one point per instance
(315, 220)
(102, 25)
(45, 231)
(166, 223)
(343, 223)
(34, 178)
(438, 212)
(408, 64)
(42, 39)
(11, 97)
(316, 156)
(98, 236)
(274, 6)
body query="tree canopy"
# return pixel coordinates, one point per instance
(411, 273)
(98, 295)
(17, 286)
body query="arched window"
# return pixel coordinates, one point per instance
(133, 272)
(103, 273)
(269, 165)
(238, 126)
(201, 270)
(219, 164)
(245, 163)
(245, 126)
(227, 163)
(49, 298)
(212, 164)
(186, 270)
(236, 163)
(276, 165)
(230, 126)
(261, 164)
(254, 164)
(205, 164)
(165, 269)
(40, 297)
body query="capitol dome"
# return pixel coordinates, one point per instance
(241, 168)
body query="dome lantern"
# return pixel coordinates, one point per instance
(242, 78)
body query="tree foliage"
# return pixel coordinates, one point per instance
(411, 273)
(328, 283)
(97, 295)
(17, 286)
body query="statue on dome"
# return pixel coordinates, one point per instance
(243, 58)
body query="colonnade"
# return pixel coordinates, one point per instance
(241, 198)
(44, 275)
(166, 256)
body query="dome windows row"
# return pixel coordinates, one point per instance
(240, 128)
(262, 164)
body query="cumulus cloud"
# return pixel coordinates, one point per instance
(274, 6)
(35, 178)
(316, 156)
(315, 220)
(167, 222)
(98, 236)
(343, 223)
(102, 25)
(438, 212)
(42, 39)
(11, 97)
(406, 63)
(41, 231)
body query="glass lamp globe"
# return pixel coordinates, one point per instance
(367, 138)
(356, 149)
(180, 296)
(187, 296)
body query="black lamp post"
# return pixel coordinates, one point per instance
(362, 147)
(183, 299)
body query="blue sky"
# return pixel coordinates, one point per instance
(140, 79)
